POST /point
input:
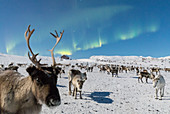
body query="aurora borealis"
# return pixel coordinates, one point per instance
(92, 27)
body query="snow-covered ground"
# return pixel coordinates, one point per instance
(104, 94)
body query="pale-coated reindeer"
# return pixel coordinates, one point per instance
(75, 73)
(25, 95)
(77, 82)
(159, 85)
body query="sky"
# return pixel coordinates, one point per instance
(91, 27)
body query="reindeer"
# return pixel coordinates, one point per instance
(25, 95)
(72, 73)
(61, 71)
(146, 75)
(1, 66)
(137, 71)
(77, 82)
(155, 70)
(89, 68)
(21, 64)
(124, 68)
(167, 69)
(102, 68)
(12, 68)
(159, 84)
(113, 71)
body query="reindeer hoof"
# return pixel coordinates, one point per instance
(160, 98)
(156, 98)
(69, 93)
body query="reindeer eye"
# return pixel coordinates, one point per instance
(38, 81)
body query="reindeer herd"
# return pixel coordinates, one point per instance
(26, 94)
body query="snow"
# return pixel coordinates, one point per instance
(104, 94)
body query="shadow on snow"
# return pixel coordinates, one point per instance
(100, 97)
(60, 86)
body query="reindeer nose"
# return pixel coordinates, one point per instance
(53, 101)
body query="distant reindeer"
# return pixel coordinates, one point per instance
(61, 71)
(137, 71)
(155, 70)
(159, 85)
(22, 64)
(113, 70)
(25, 95)
(124, 68)
(12, 68)
(167, 69)
(1, 67)
(146, 75)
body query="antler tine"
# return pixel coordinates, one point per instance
(27, 37)
(34, 60)
(57, 41)
(28, 34)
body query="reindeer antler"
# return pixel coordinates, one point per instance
(34, 60)
(57, 41)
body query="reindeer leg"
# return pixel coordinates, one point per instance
(117, 73)
(160, 97)
(146, 80)
(156, 97)
(75, 93)
(162, 92)
(80, 95)
(138, 79)
(141, 79)
(69, 87)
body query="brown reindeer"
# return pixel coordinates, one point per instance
(12, 68)
(155, 70)
(146, 75)
(25, 95)
(167, 69)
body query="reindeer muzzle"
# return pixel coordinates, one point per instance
(53, 101)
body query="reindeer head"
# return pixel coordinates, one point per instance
(44, 78)
(84, 76)
(155, 81)
(79, 84)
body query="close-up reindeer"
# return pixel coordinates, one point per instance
(25, 94)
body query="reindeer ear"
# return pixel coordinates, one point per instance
(32, 70)
(57, 70)
(85, 73)
(157, 78)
